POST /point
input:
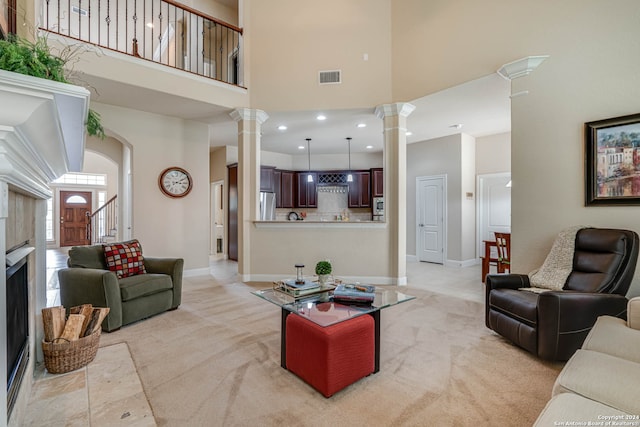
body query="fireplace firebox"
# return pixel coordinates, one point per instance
(17, 326)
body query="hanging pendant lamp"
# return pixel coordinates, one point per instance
(349, 175)
(309, 176)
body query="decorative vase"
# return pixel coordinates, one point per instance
(323, 278)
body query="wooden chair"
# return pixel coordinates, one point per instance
(503, 245)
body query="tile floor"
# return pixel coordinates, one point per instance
(85, 397)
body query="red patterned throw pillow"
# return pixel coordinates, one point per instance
(125, 259)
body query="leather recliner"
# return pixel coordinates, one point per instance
(554, 324)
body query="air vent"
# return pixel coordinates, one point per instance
(329, 77)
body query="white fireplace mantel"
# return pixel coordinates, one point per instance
(42, 131)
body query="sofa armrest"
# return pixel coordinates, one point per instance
(573, 322)
(502, 281)
(99, 288)
(171, 266)
(633, 313)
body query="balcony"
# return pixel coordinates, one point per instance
(160, 31)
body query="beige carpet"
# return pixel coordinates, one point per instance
(216, 362)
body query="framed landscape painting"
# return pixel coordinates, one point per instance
(612, 155)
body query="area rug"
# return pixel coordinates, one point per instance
(216, 362)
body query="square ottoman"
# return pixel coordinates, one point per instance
(330, 358)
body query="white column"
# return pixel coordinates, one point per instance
(394, 118)
(249, 125)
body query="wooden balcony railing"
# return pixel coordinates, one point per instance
(103, 223)
(161, 31)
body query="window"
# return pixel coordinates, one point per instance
(49, 220)
(82, 179)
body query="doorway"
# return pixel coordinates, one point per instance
(494, 207)
(430, 218)
(216, 247)
(75, 210)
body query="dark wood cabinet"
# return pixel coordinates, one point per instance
(277, 179)
(306, 191)
(377, 182)
(360, 190)
(266, 178)
(287, 189)
(232, 227)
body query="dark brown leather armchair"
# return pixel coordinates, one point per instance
(554, 324)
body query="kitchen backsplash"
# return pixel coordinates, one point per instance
(332, 206)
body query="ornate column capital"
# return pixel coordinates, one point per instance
(396, 109)
(249, 114)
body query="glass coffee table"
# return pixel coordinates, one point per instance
(322, 310)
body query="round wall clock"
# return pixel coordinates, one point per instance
(175, 182)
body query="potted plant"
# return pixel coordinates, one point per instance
(323, 270)
(36, 59)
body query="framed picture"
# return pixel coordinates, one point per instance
(612, 161)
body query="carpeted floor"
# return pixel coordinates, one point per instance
(216, 362)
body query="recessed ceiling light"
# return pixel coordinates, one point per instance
(362, 125)
(409, 133)
(369, 147)
(456, 126)
(282, 127)
(321, 117)
(301, 147)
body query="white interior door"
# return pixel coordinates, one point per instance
(494, 207)
(430, 217)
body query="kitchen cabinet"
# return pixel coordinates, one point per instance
(266, 178)
(377, 182)
(360, 190)
(287, 189)
(306, 191)
(277, 180)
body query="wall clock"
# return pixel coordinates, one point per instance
(175, 182)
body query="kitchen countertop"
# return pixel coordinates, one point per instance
(313, 224)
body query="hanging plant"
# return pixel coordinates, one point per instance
(36, 59)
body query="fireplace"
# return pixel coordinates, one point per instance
(17, 300)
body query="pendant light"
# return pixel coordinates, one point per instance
(349, 175)
(309, 176)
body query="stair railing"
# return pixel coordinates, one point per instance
(103, 223)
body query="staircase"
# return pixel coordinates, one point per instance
(103, 223)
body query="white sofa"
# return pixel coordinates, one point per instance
(600, 384)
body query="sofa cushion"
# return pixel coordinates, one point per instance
(125, 259)
(87, 257)
(517, 304)
(569, 407)
(611, 335)
(607, 379)
(140, 285)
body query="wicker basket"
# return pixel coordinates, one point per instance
(61, 357)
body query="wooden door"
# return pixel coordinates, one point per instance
(75, 213)
(232, 231)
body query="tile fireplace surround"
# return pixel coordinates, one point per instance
(42, 137)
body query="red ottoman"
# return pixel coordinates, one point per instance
(333, 357)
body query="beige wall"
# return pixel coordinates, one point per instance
(166, 226)
(493, 153)
(290, 42)
(97, 163)
(218, 164)
(590, 75)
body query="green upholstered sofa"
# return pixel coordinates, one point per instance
(87, 280)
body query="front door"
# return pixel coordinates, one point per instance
(430, 230)
(75, 210)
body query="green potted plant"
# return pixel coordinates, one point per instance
(37, 60)
(323, 270)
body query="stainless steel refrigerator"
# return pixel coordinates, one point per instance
(267, 206)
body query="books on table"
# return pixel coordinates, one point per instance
(298, 289)
(356, 293)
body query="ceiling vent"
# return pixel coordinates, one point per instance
(330, 77)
